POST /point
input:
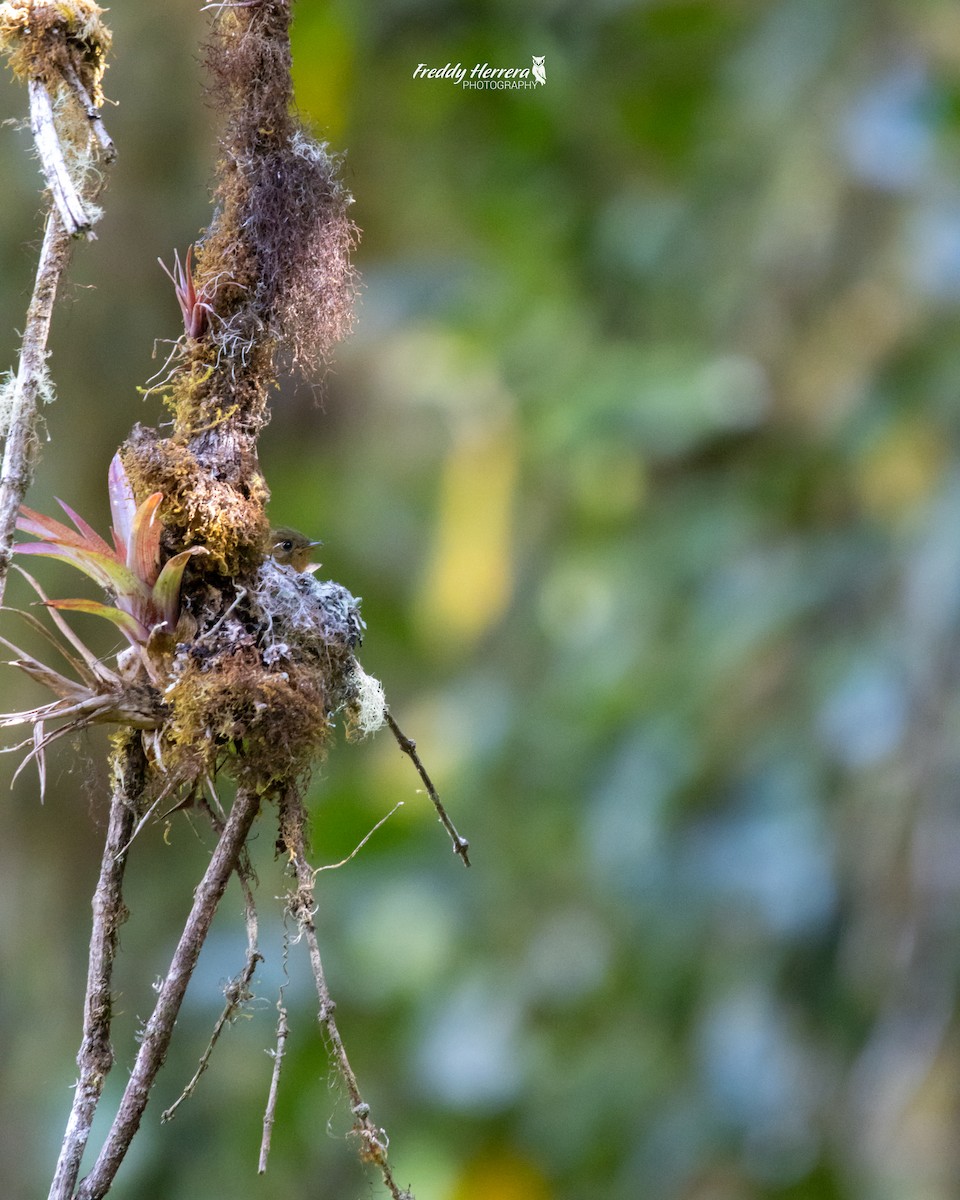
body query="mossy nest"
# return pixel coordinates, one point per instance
(260, 688)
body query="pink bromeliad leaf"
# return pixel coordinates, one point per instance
(94, 540)
(128, 625)
(46, 527)
(143, 548)
(194, 306)
(144, 595)
(111, 575)
(92, 663)
(123, 506)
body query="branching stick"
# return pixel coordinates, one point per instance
(302, 905)
(109, 912)
(237, 991)
(159, 1029)
(460, 844)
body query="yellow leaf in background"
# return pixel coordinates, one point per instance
(900, 469)
(470, 571)
(502, 1176)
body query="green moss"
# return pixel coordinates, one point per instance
(46, 41)
(264, 724)
(199, 510)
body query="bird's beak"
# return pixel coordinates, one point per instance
(312, 545)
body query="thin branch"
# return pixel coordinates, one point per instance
(96, 1053)
(73, 213)
(145, 818)
(283, 1029)
(237, 991)
(302, 905)
(17, 468)
(68, 216)
(159, 1029)
(360, 845)
(409, 747)
(270, 1113)
(91, 111)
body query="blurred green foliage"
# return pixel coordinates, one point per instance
(644, 457)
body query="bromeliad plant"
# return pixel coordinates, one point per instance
(195, 304)
(145, 607)
(147, 597)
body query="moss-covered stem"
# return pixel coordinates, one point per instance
(270, 284)
(109, 912)
(16, 472)
(373, 1140)
(159, 1028)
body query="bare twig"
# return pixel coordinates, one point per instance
(270, 1112)
(159, 1029)
(73, 212)
(302, 905)
(91, 111)
(237, 991)
(96, 1054)
(409, 747)
(283, 1030)
(17, 469)
(360, 845)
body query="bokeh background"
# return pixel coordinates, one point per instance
(645, 459)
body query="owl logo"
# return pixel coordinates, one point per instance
(539, 70)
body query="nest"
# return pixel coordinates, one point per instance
(261, 688)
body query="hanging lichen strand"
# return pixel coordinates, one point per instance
(264, 657)
(271, 282)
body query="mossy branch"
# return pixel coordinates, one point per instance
(271, 282)
(58, 50)
(29, 386)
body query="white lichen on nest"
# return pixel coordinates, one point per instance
(270, 676)
(305, 616)
(369, 708)
(304, 613)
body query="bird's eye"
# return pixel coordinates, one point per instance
(287, 545)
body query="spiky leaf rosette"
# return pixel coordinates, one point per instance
(145, 607)
(146, 596)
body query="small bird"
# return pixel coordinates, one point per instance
(292, 549)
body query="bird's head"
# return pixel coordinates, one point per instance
(292, 548)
